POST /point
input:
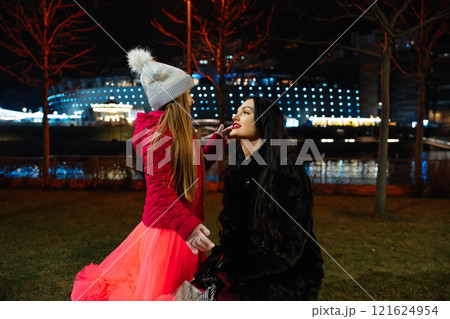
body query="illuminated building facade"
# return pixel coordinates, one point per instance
(298, 102)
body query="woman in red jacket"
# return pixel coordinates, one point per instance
(163, 250)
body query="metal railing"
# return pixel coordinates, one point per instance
(330, 171)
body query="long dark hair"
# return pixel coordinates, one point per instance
(266, 215)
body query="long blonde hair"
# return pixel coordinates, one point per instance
(176, 118)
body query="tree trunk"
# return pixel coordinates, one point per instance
(45, 87)
(380, 194)
(418, 179)
(423, 67)
(46, 133)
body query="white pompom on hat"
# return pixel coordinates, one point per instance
(162, 83)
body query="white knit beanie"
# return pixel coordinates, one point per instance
(162, 83)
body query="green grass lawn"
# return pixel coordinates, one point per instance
(46, 237)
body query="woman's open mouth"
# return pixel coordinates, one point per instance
(235, 126)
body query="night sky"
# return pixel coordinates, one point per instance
(128, 22)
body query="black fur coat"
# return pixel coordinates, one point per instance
(293, 270)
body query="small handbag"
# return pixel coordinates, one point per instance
(188, 292)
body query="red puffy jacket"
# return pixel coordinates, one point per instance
(163, 208)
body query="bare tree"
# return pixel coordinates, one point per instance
(41, 35)
(423, 42)
(221, 37)
(388, 16)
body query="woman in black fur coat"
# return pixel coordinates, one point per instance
(268, 249)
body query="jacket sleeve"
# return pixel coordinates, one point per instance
(295, 225)
(162, 202)
(210, 148)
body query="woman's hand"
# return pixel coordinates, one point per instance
(198, 240)
(224, 132)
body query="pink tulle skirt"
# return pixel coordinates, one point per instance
(150, 264)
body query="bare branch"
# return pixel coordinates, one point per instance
(398, 13)
(442, 14)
